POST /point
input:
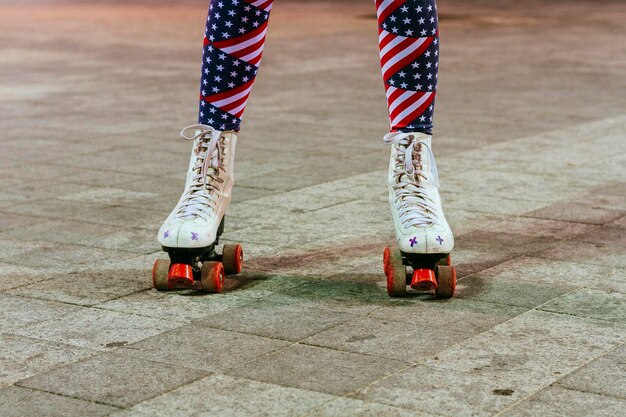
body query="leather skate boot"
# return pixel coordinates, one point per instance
(195, 220)
(423, 236)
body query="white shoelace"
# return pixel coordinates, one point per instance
(414, 205)
(199, 198)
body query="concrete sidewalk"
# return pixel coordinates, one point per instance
(530, 142)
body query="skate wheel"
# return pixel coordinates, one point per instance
(232, 258)
(212, 277)
(424, 280)
(395, 272)
(386, 259)
(446, 278)
(180, 276)
(160, 270)
(447, 261)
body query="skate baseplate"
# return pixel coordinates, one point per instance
(429, 272)
(202, 269)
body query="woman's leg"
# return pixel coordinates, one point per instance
(409, 54)
(409, 57)
(233, 44)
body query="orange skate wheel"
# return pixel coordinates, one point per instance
(446, 278)
(395, 272)
(180, 276)
(212, 277)
(160, 270)
(232, 258)
(386, 259)
(424, 280)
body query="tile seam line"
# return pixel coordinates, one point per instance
(521, 400)
(591, 392)
(206, 374)
(17, 384)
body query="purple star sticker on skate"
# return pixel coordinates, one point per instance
(194, 236)
(166, 234)
(413, 241)
(440, 240)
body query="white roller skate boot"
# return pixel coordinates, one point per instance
(423, 236)
(191, 232)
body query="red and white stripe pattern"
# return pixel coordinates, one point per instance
(233, 47)
(248, 47)
(405, 105)
(408, 44)
(263, 4)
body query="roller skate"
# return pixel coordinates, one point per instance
(421, 258)
(190, 234)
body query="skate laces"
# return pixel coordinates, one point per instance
(199, 198)
(415, 206)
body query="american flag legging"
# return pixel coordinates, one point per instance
(408, 39)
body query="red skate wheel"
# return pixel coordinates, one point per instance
(446, 278)
(424, 280)
(212, 277)
(386, 259)
(232, 259)
(395, 272)
(160, 270)
(180, 276)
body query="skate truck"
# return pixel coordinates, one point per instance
(422, 272)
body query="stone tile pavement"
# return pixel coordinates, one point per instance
(530, 140)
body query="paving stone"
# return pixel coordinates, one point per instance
(63, 257)
(96, 329)
(532, 350)
(577, 212)
(348, 297)
(550, 272)
(205, 348)
(602, 246)
(604, 376)
(12, 221)
(559, 402)
(17, 312)
(605, 305)
(87, 288)
(283, 321)
(13, 276)
(436, 392)
(231, 396)
(358, 408)
(530, 282)
(326, 370)
(21, 357)
(399, 340)
(113, 378)
(176, 306)
(553, 229)
(21, 402)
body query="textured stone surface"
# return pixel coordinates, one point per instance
(559, 402)
(222, 395)
(604, 375)
(97, 329)
(326, 370)
(21, 357)
(113, 378)
(204, 347)
(532, 350)
(21, 402)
